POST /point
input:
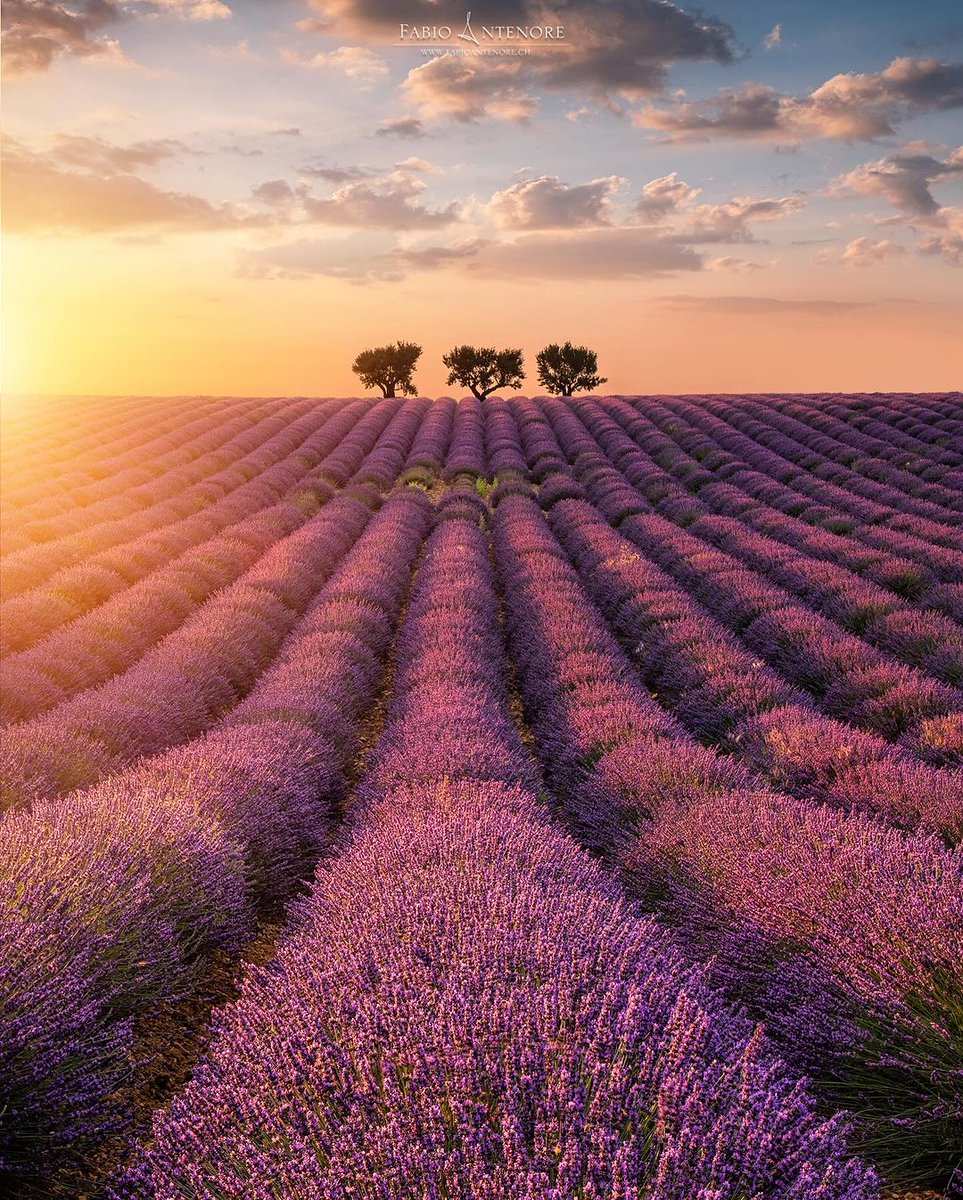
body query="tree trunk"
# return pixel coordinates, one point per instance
(388, 391)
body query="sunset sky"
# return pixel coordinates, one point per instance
(234, 197)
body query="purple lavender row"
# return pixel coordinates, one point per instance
(686, 455)
(502, 447)
(922, 423)
(831, 482)
(150, 485)
(905, 426)
(231, 467)
(111, 637)
(904, 576)
(234, 494)
(187, 681)
(851, 954)
(299, 493)
(849, 678)
(74, 451)
(448, 716)
(468, 1007)
(927, 640)
(939, 737)
(764, 473)
(111, 900)
(75, 498)
(876, 443)
(469, 1010)
(426, 459)
(933, 418)
(466, 453)
(349, 452)
(383, 464)
(682, 468)
(38, 429)
(852, 464)
(725, 695)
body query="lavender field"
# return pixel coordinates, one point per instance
(526, 799)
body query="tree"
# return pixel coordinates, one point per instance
(389, 368)
(485, 370)
(563, 370)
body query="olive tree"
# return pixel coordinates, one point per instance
(484, 370)
(564, 370)
(389, 368)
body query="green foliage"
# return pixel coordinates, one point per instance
(389, 368)
(564, 370)
(484, 370)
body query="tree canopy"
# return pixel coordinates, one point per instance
(564, 370)
(484, 370)
(389, 368)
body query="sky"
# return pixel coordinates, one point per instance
(234, 197)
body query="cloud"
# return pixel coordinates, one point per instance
(609, 47)
(42, 197)
(906, 180)
(96, 154)
(671, 200)
(388, 203)
(612, 253)
(334, 174)
(773, 38)
(364, 198)
(729, 222)
(903, 179)
(864, 252)
(194, 10)
(943, 235)
(663, 196)
(404, 127)
(547, 203)
(237, 52)
(548, 229)
(468, 89)
(848, 107)
(357, 258)
(276, 193)
(741, 306)
(429, 258)
(36, 33)
(356, 62)
(736, 266)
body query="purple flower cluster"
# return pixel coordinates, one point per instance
(187, 681)
(723, 693)
(103, 464)
(430, 446)
(787, 486)
(855, 922)
(448, 716)
(468, 1009)
(620, 739)
(466, 453)
(505, 457)
(109, 539)
(111, 899)
(467, 1006)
